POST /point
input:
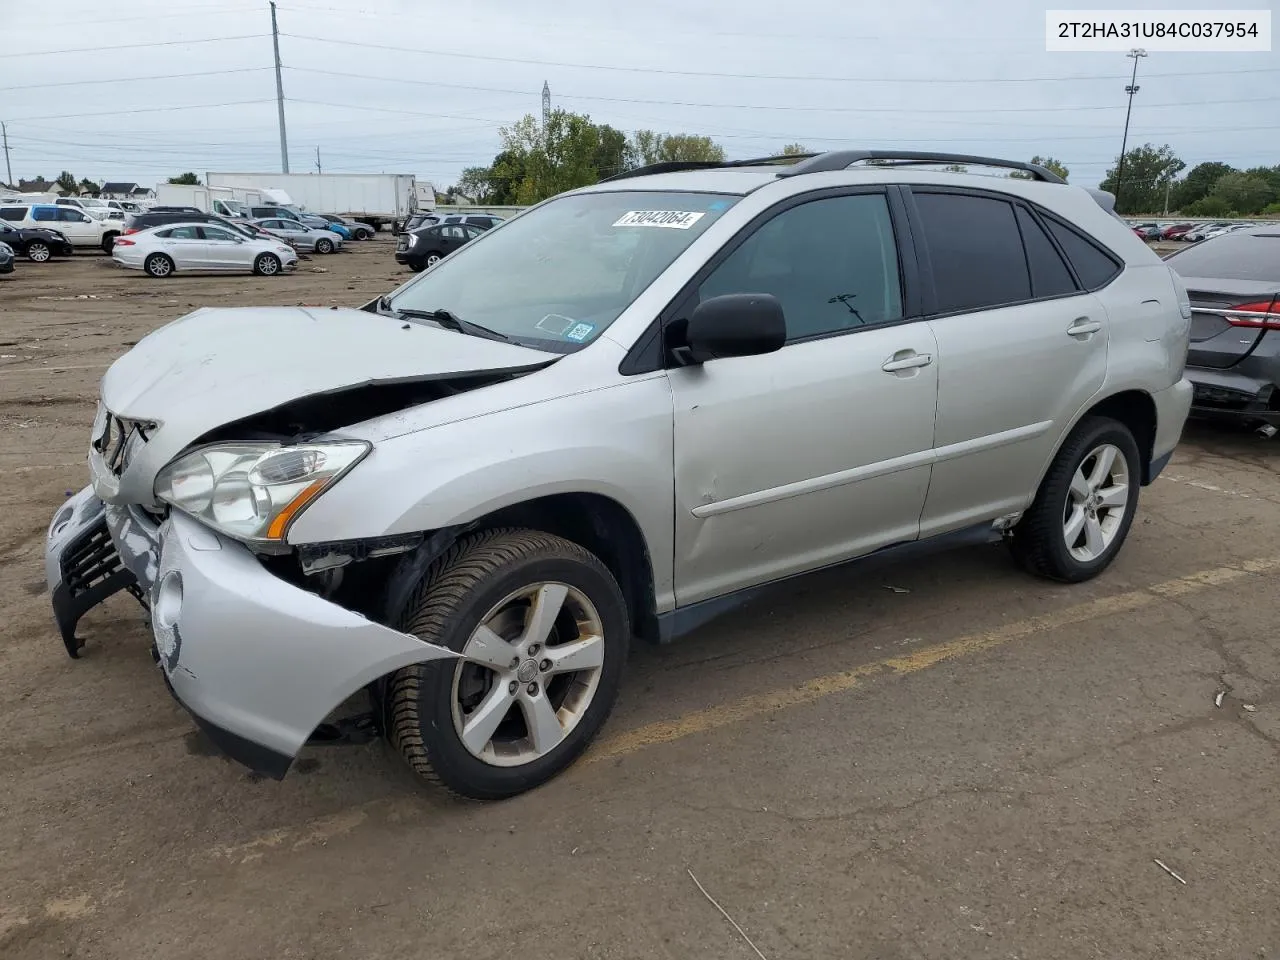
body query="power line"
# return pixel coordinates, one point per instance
(128, 46)
(117, 113)
(101, 80)
(789, 108)
(743, 76)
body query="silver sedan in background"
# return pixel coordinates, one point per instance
(300, 235)
(201, 247)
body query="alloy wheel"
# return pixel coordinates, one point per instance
(1096, 500)
(527, 674)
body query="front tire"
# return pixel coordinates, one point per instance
(266, 265)
(1085, 505)
(544, 631)
(108, 242)
(324, 245)
(158, 265)
(38, 251)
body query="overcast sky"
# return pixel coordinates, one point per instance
(957, 75)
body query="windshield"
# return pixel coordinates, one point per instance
(1232, 256)
(558, 276)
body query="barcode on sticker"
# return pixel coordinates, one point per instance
(674, 219)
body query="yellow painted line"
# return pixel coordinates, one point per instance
(759, 704)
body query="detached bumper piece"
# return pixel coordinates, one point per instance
(1234, 396)
(90, 571)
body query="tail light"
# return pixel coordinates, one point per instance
(1261, 314)
(122, 242)
(129, 231)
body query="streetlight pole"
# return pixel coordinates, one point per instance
(1137, 54)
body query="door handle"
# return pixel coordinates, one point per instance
(906, 362)
(1083, 327)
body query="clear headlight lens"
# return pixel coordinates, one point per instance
(253, 491)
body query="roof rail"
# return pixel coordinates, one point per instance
(675, 166)
(840, 159)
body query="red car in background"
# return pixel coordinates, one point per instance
(1175, 231)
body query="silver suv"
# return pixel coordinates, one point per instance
(614, 416)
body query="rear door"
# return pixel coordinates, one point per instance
(1022, 345)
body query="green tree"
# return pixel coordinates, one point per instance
(611, 155)
(558, 155)
(67, 181)
(1197, 183)
(1244, 193)
(186, 179)
(649, 147)
(1210, 206)
(88, 186)
(1147, 171)
(1052, 165)
(475, 183)
(794, 149)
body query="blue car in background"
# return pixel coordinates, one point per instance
(320, 223)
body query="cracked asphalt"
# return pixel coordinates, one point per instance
(971, 764)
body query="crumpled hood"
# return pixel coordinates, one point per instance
(218, 365)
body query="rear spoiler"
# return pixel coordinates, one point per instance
(1107, 201)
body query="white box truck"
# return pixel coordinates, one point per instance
(224, 201)
(375, 198)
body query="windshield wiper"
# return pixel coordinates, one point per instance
(451, 321)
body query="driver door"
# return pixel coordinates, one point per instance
(222, 251)
(820, 451)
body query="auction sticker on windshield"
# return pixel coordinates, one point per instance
(672, 219)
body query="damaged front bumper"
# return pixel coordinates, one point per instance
(258, 662)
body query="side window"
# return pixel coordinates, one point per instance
(47, 214)
(184, 233)
(71, 215)
(215, 233)
(832, 264)
(453, 232)
(13, 214)
(1049, 274)
(1094, 268)
(164, 234)
(975, 251)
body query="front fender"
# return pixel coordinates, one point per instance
(614, 441)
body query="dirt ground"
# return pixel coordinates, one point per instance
(969, 764)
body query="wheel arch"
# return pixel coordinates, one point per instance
(1133, 407)
(596, 522)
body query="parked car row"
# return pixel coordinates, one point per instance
(203, 246)
(72, 224)
(1188, 232)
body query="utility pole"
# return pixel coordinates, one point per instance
(8, 169)
(1167, 185)
(318, 170)
(275, 43)
(1137, 54)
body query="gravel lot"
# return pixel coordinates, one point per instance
(973, 764)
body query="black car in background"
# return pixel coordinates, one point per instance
(35, 243)
(7, 257)
(1233, 282)
(426, 246)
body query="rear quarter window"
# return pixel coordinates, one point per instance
(1093, 265)
(13, 214)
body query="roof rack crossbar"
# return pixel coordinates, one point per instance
(840, 159)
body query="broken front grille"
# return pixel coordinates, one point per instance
(118, 440)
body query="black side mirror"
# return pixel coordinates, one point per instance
(735, 325)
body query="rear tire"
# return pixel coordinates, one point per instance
(266, 265)
(1085, 505)
(324, 245)
(547, 702)
(38, 251)
(108, 242)
(158, 265)
(363, 233)
(432, 259)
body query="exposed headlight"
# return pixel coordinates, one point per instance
(253, 491)
(288, 250)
